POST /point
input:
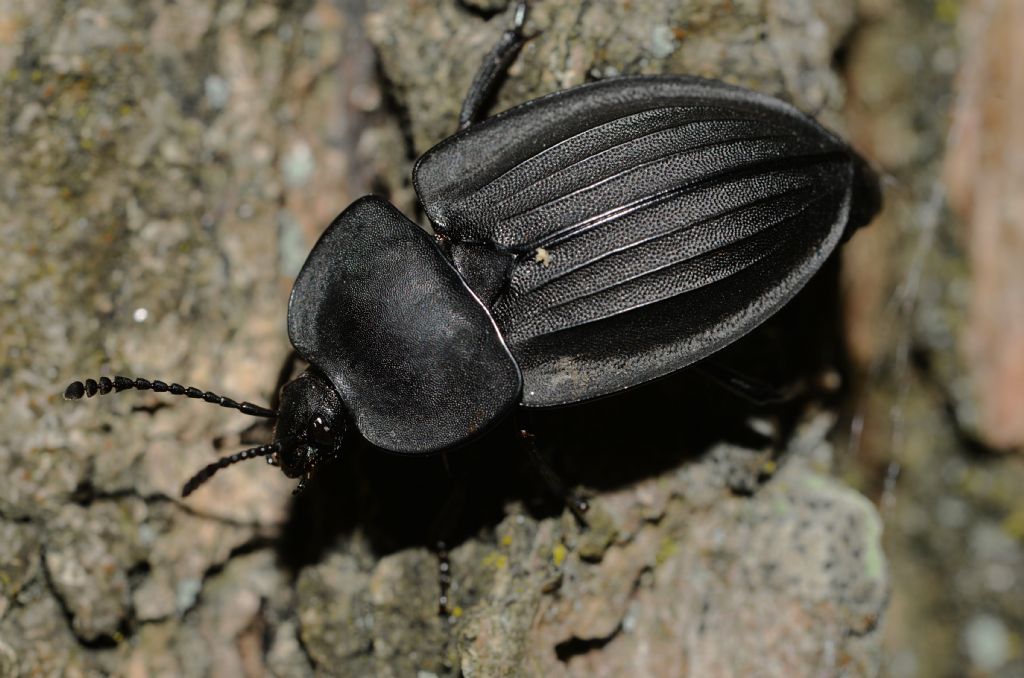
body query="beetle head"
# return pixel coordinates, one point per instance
(310, 426)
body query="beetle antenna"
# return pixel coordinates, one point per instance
(207, 471)
(91, 387)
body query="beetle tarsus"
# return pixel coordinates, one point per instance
(444, 578)
(519, 16)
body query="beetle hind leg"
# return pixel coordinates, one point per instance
(493, 68)
(749, 388)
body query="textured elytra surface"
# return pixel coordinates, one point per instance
(675, 214)
(540, 172)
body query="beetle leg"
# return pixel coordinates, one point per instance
(284, 375)
(749, 388)
(493, 68)
(444, 579)
(442, 532)
(573, 501)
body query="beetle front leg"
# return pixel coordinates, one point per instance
(284, 374)
(442, 533)
(493, 68)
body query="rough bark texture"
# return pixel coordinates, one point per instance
(984, 171)
(165, 168)
(952, 506)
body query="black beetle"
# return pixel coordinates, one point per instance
(585, 242)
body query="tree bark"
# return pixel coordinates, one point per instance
(168, 165)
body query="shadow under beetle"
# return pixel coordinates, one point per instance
(586, 242)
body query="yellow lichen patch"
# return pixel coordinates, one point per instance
(456, 611)
(947, 11)
(666, 550)
(1014, 524)
(769, 467)
(498, 561)
(506, 540)
(558, 554)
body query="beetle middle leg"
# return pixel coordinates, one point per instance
(573, 501)
(493, 68)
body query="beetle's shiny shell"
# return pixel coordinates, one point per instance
(640, 224)
(596, 239)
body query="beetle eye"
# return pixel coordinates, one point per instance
(320, 432)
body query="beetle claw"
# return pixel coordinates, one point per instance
(519, 18)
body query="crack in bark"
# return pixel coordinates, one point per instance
(257, 542)
(103, 641)
(128, 625)
(86, 494)
(481, 12)
(575, 647)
